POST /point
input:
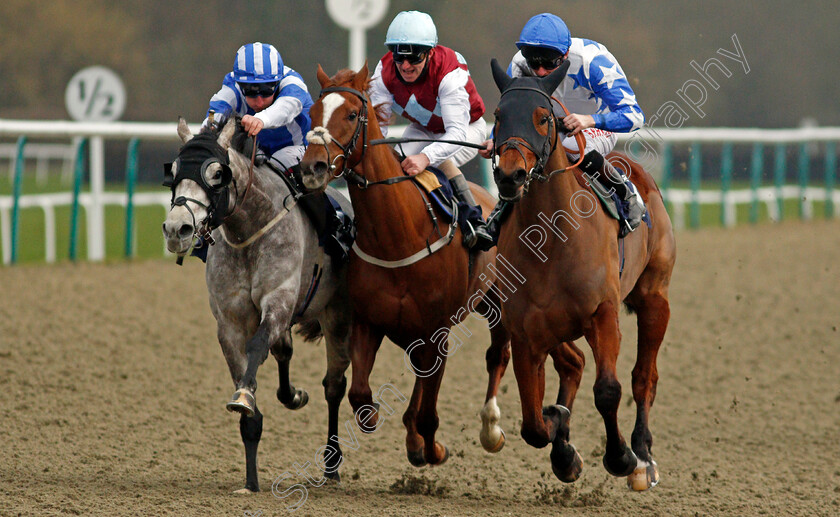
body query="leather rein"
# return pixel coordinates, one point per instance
(548, 147)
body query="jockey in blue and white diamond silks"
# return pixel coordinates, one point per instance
(596, 93)
(271, 98)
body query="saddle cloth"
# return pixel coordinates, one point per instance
(613, 205)
(434, 182)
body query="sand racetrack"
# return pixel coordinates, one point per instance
(114, 389)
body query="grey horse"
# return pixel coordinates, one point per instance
(265, 273)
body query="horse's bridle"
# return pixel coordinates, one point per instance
(549, 143)
(351, 146)
(218, 209)
(348, 149)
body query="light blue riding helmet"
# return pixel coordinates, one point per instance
(257, 63)
(412, 28)
(547, 31)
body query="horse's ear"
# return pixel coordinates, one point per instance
(550, 82)
(184, 130)
(360, 81)
(227, 133)
(502, 79)
(322, 76)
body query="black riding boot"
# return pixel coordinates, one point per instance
(609, 177)
(475, 232)
(335, 230)
(498, 216)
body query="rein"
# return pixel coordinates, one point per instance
(548, 146)
(203, 231)
(363, 183)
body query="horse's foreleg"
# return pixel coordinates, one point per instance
(428, 365)
(336, 334)
(653, 312)
(569, 360)
(604, 337)
(538, 425)
(414, 442)
(250, 428)
(364, 343)
(498, 355)
(270, 331)
(282, 351)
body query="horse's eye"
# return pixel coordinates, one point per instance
(544, 120)
(352, 115)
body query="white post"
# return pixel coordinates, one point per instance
(357, 48)
(96, 212)
(49, 233)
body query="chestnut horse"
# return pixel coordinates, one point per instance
(580, 272)
(409, 279)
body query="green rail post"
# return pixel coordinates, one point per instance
(78, 176)
(830, 170)
(18, 186)
(756, 169)
(130, 180)
(694, 163)
(725, 181)
(779, 178)
(803, 178)
(666, 175)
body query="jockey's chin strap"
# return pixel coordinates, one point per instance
(549, 144)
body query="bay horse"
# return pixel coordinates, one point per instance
(265, 273)
(583, 272)
(407, 280)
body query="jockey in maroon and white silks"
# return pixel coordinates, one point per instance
(442, 103)
(431, 87)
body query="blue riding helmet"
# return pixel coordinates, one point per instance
(412, 28)
(547, 31)
(257, 63)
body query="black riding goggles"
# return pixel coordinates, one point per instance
(258, 89)
(413, 59)
(537, 57)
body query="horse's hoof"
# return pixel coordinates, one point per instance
(491, 445)
(298, 401)
(566, 463)
(243, 401)
(622, 466)
(416, 458)
(333, 476)
(445, 453)
(645, 476)
(245, 491)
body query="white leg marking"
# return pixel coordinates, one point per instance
(491, 434)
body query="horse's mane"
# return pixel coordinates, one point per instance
(239, 142)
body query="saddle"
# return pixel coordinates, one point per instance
(613, 205)
(435, 183)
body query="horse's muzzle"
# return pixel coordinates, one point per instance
(178, 236)
(510, 185)
(314, 174)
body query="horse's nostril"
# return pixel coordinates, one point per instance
(185, 231)
(519, 176)
(319, 168)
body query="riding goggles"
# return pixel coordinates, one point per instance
(537, 57)
(258, 89)
(413, 59)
